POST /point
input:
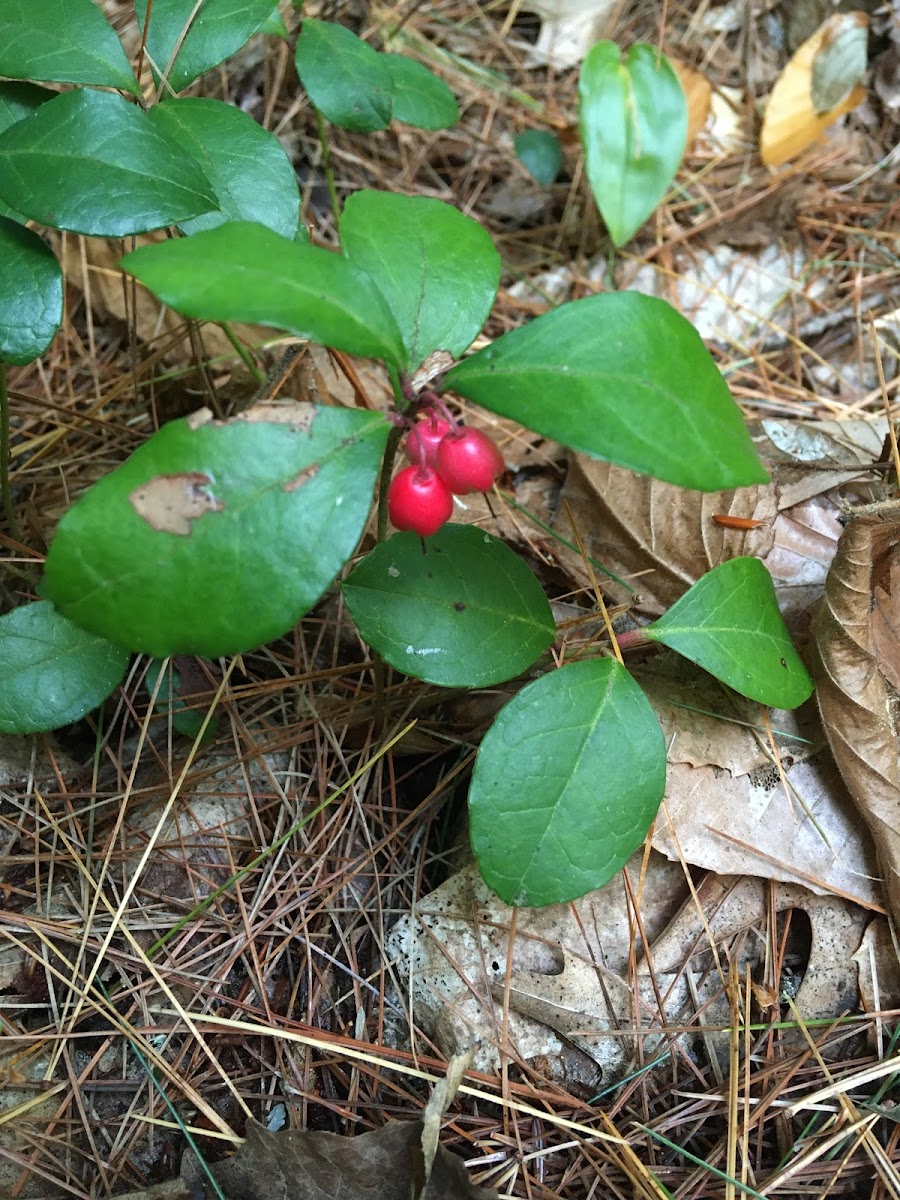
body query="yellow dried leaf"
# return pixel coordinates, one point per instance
(791, 122)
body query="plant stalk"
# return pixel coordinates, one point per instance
(329, 174)
(5, 492)
(243, 353)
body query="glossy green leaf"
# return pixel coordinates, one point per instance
(413, 247)
(246, 165)
(634, 122)
(185, 719)
(347, 81)
(17, 101)
(93, 163)
(566, 784)
(420, 98)
(52, 672)
(31, 294)
(244, 272)
(62, 41)
(215, 537)
(217, 30)
(464, 612)
(622, 377)
(729, 624)
(540, 153)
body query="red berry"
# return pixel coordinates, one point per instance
(419, 500)
(425, 437)
(468, 461)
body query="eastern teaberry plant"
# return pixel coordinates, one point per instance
(218, 535)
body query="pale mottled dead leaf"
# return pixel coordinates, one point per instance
(568, 29)
(860, 708)
(572, 996)
(879, 968)
(726, 808)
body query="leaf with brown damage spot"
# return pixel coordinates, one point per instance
(303, 477)
(172, 503)
(854, 660)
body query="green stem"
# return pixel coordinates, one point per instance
(384, 481)
(5, 492)
(329, 174)
(243, 353)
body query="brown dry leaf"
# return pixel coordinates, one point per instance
(698, 93)
(860, 708)
(661, 538)
(886, 617)
(658, 537)
(791, 122)
(401, 1161)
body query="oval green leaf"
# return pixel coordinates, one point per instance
(92, 163)
(244, 272)
(214, 537)
(420, 98)
(251, 175)
(566, 784)
(464, 612)
(634, 122)
(214, 30)
(622, 377)
(31, 294)
(62, 41)
(729, 624)
(412, 246)
(540, 153)
(347, 81)
(17, 101)
(52, 672)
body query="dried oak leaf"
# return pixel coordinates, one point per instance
(856, 653)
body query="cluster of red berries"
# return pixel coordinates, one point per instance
(447, 459)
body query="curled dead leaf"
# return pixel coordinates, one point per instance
(792, 121)
(855, 638)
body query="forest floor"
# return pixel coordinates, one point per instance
(284, 996)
